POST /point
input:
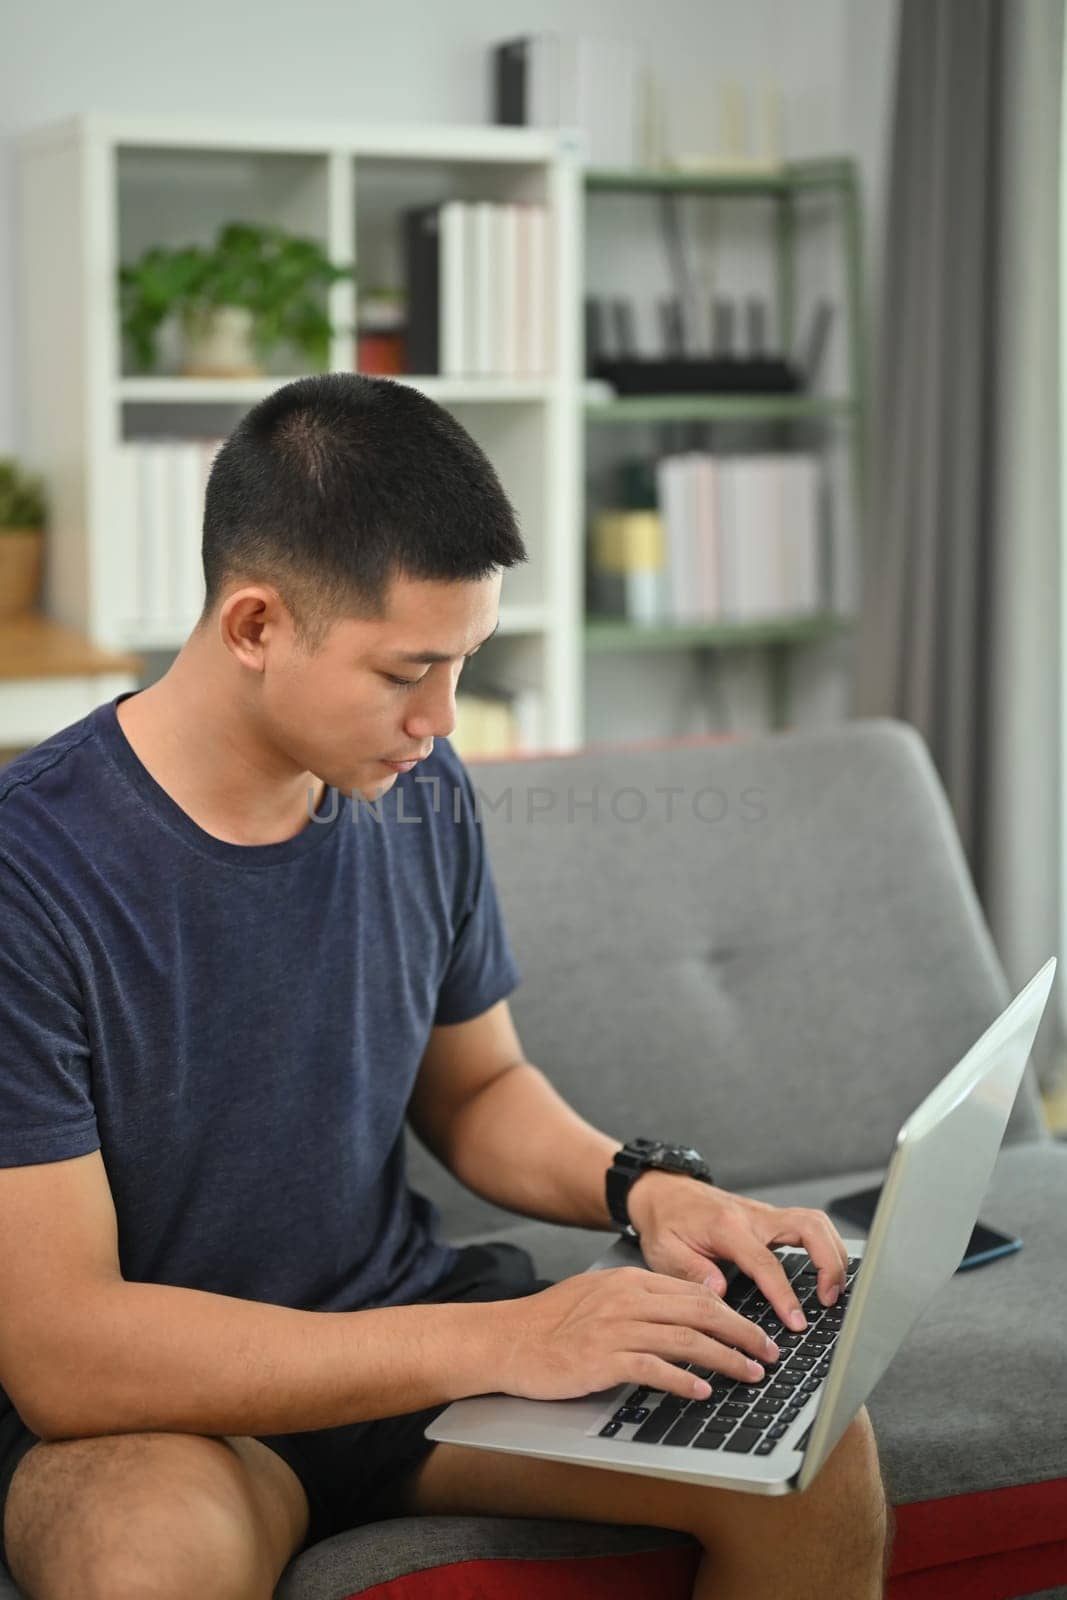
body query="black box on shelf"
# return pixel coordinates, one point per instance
(700, 375)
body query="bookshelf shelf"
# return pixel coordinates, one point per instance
(809, 248)
(117, 447)
(828, 174)
(608, 635)
(718, 408)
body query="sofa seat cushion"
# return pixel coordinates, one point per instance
(518, 1558)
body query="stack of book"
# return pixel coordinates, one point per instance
(566, 80)
(159, 489)
(739, 540)
(479, 290)
(492, 722)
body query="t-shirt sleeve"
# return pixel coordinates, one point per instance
(482, 967)
(46, 1108)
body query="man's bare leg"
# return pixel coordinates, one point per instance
(125, 1516)
(833, 1539)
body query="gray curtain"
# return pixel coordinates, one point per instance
(960, 631)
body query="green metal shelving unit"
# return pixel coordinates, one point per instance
(838, 176)
(605, 634)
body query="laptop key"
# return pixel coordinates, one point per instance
(632, 1414)
(765, 1447)
(775, 1404)
(741, 1441)
(710, 1439)
(685, 1430)
(610, 1429)
(654, 1427)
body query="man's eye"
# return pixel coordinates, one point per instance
(402, 683)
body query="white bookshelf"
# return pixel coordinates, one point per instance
(97, 190)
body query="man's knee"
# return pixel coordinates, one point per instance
(848, 1492)
(165, 1570)
(132, 1517)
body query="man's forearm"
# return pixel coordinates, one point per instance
(520, 1145)
(141, 1357)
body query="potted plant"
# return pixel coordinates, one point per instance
(22, 520)
(255, 288)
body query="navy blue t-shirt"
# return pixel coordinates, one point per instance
(238, 1028)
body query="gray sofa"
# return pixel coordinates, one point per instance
(770, 949)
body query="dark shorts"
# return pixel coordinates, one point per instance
(351, 1474)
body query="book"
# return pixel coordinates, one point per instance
(800, 541)
(532, 310)
(704, 470)
(503, 290)
(629, 565)
(510, 74)
(187, 518)
(422, 243)
(672, 479)
(154, 504)
(565, 80)
(482, 268)
(124, 489)
(454, 283)
(479, 287)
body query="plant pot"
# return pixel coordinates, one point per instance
(218, 344)
(20, 569)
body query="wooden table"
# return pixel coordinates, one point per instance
(50, 676)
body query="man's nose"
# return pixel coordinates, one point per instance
(434, 717)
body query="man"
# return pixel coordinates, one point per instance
(226, 1320)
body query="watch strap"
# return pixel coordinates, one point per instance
(646, 1155)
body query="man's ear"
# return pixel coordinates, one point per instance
(250, 620)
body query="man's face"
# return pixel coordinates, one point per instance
(378, 692)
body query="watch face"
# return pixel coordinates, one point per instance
(678, 1158)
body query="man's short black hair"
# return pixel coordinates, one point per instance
(334, 486)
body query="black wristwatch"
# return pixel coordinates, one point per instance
(644, 1155)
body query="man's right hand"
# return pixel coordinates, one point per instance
(621, 1325)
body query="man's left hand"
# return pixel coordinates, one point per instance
(685, 1225)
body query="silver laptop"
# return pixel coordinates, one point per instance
(773, 1437)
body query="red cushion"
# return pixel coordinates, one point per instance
(664, 1574)
(991, 1546)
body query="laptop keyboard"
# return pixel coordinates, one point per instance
(739, 1417)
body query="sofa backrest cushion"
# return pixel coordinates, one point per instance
(770, 949)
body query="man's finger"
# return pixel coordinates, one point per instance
(712, 1315)
(765, 1269)
(826, 1248)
